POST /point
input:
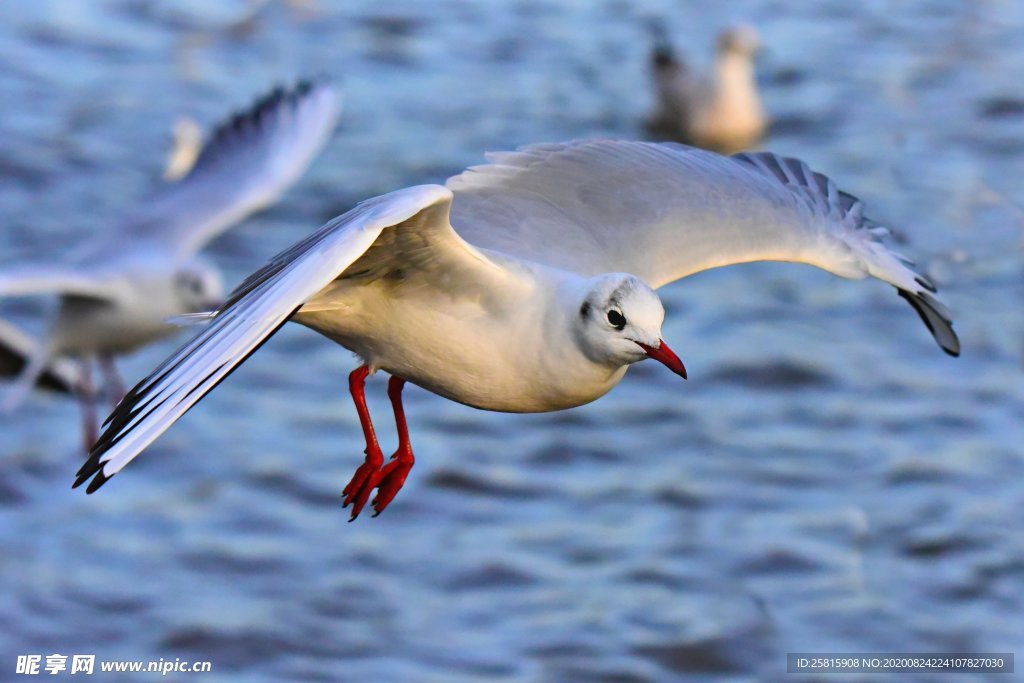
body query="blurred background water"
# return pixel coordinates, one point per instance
(827, 480)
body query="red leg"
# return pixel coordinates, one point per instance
(394, 473)
(365, 479)
(112, 383)
(86, 394)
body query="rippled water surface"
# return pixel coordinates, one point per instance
(826, 480)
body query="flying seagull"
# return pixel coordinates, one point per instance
(116, 292)
(525, 285)
(722, 112)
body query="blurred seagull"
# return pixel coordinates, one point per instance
(117, 291)
(525, 285)
(723, 113)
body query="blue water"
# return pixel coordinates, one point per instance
(827, 480)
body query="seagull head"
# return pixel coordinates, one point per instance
(619, 323)
(740, 40)
(663, 56)
(198, 287)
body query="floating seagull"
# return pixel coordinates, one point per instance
(117, 291)
(723, 113)
(525, 285)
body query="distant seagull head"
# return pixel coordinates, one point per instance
(619, 323)
(739, 40)
(198, 287)
(663, 55)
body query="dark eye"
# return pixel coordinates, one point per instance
(617, 320)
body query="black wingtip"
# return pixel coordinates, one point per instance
(241, 123)
(13, 361)
(926, 283)
(92, 469)
(936, 318)
(99, 480)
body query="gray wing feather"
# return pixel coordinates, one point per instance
(665, 211)
(31, 279)
(255, 311)
(659, 211)
(793, 172)
(248, 162)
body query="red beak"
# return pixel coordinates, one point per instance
(666, 356)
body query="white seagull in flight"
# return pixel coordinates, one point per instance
(525, 285)
(118, 290)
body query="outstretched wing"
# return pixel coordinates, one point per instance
(249, 161)
(71, 280)
(665, 211)
(264, 302)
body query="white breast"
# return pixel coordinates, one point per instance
(510, 353)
